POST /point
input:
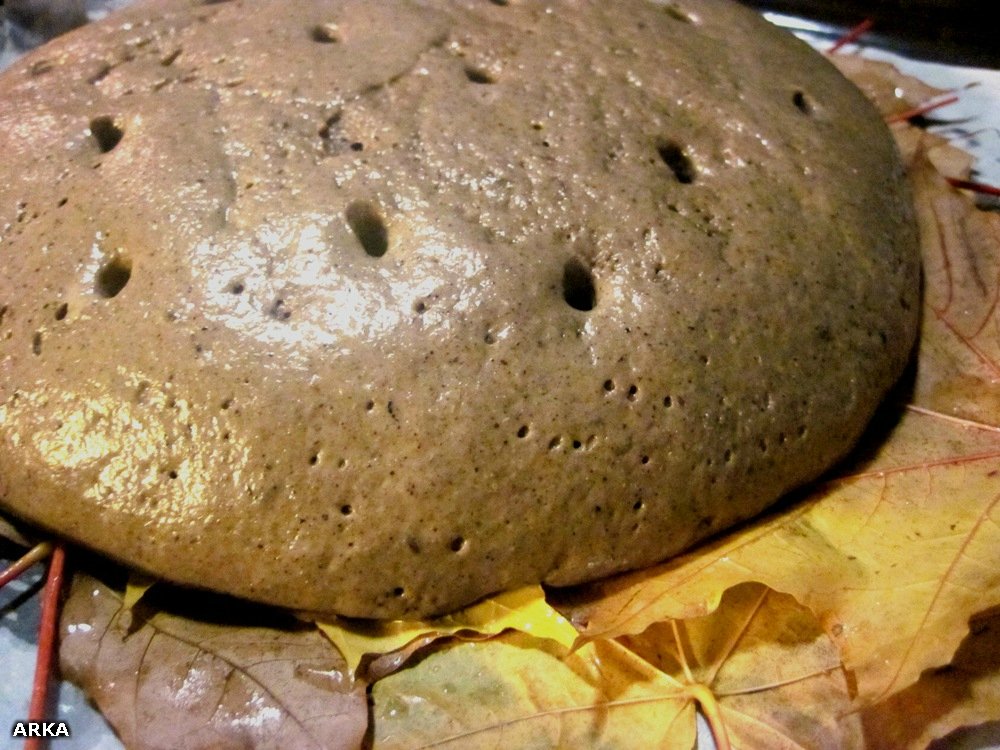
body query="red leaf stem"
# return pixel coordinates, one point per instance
(46, 643)
(851, 35)
(35, 554)
(922, 109)
(976, 187)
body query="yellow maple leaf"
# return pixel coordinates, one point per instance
(514, 691)
(136, 588)
(760, 668)
(523, 609)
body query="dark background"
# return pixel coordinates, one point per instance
(961, 32)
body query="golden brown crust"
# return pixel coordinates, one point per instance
(378, 308)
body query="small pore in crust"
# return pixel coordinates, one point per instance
(40, 67)
(477, 74)
(369, 228)
(329, 133)
(62, 311)
(802, 103)
(100, 74)
(325, 33)
(677, 160)
(106, 133)
(677, 13)
(112, 277)
(170, 58)
(457, 544)
(578, 286)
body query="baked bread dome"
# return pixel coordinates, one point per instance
(379, 308)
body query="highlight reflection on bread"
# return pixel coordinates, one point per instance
(379, 308)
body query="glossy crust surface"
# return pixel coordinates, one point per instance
(379, 308)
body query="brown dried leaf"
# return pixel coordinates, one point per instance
(965, 693)
(892, 92)
(165, 681)
(895, 93)
(959, 368)
(10, 532)
(947, 159)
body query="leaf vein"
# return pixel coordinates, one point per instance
(953, 564)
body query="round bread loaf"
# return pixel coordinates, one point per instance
(379, 308)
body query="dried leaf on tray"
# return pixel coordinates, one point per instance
(895, 94)
(10, 533)
(948, 160)
(165, 681)
(965, 693)
(775, 677)
(523, 609)
(892, 92)
(514, 691)
(136, 588)
(959, 368)
(760, 666)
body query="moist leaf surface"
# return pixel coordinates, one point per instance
(165, 681)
